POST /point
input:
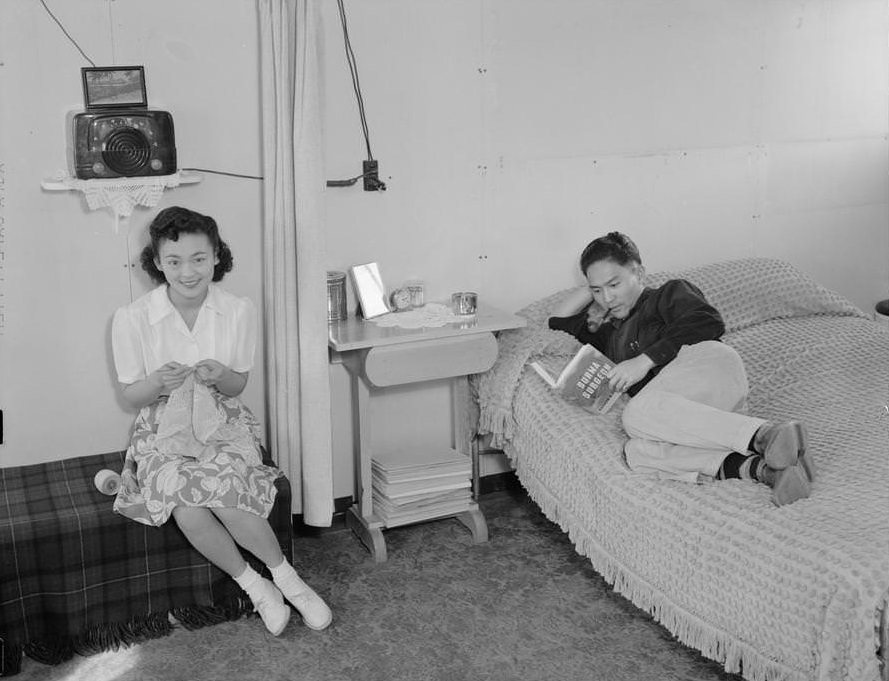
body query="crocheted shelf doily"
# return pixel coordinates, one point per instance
(121, 195)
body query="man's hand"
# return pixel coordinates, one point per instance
(629, 372)
(596, 315)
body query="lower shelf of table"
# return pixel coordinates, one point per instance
(370, 529)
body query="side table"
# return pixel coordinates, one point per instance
(377, 357)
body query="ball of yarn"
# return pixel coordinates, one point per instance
(107, 482)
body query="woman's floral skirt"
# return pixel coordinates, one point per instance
(226, 472)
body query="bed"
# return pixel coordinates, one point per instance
(797, 592)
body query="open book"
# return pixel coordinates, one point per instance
(583, 378)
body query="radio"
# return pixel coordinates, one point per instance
(118, 135)
(107, 143)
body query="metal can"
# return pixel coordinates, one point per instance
(336, 296)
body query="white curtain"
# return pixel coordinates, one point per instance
(294, 283)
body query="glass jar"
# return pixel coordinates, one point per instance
(417, 289)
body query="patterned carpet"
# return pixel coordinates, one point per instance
(523, 606)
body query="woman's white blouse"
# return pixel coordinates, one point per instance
(149, 332)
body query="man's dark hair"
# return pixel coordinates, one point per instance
(613, 246)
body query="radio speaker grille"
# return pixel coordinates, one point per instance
(127, 152)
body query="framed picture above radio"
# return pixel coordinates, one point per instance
(114, 87)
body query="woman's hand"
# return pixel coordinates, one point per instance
(170, 376)
(160, 382)
(629, 372)
(226, 380)
(210, 372)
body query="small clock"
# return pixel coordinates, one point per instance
(401, 299)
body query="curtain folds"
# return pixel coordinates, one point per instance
(294, 281)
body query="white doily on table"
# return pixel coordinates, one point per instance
(431, 314)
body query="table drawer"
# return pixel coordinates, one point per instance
(429, 360)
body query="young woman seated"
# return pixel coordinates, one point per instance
(183, 352)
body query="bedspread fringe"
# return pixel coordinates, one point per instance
(735, 657)
(116, 635)
(498, 422)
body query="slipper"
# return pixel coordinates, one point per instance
(791, 484)
(804, 459)
(783, 445)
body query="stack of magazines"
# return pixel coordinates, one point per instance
(409, 487)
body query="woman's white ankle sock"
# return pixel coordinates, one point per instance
(287, 579)
(247, 578)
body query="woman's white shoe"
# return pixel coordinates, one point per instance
(309, 604)
(270, 605)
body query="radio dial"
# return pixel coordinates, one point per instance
(99, 168)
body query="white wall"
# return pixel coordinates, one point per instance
(514, 132)
(64, 269)
(510, 133)
(706, 130)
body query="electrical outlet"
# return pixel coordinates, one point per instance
(372, 177)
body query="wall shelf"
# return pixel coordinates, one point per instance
(121, 194)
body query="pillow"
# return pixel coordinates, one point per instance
(753, 290)
(745, 291)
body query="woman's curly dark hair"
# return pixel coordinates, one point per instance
(169, 224)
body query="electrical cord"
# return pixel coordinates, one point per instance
(372, 181)
(347, 183)
(222, 172)
(353, 70)
(67, 35)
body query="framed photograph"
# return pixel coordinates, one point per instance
(114, 87)
(369, 290)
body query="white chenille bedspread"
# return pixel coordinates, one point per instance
(790, 593)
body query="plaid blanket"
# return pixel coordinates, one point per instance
(77, 577)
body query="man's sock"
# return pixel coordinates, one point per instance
(753, 468)
(741, 466)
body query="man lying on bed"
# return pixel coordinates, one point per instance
(686, 417)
